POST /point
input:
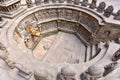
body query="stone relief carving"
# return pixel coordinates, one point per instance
(48, 26)
(52, 13)
(67, 73)
(101, 7)
(108, 11)
(62, 13)
(69, 14)
(76, 15)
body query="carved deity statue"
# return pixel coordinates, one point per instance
(85, 3)
(101, 7)
(76, 2)
(93, 4)
(117, 16)
(108, 11)
(67, 73)
(94, 72)
(69, 1)
(29, 3)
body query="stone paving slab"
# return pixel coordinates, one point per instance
(66, 48)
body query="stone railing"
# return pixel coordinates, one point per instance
(101, 8)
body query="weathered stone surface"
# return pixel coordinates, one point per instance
(43, 75)
(38, 2)
(116, 55)
(85, 3)
(101, 7)
(67, 73)
(48, 18)
(61, 1)
(117, 15)
(46, 1)
(108, 11)
(93, 4)
(29, 3)
(76, 2)
(110, 67)
(69, 1)
(93, 73)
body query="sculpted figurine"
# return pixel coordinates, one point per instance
(93, 4)
(101, 7)
(85, 3)
(67, 73)
(117, 16)
(42, 75)
(76, 2)
(108, 11)
(29, 3)
(93, 73)
(116, 55)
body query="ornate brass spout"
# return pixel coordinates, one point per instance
(33, 32)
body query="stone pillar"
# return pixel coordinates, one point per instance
(117, 15)
(101, 7)
(108, 11)
(29, 3)
(84, 3)
(93, 4)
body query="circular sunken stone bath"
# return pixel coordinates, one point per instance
(59, 35)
